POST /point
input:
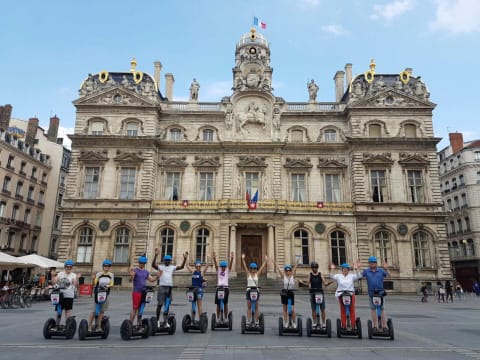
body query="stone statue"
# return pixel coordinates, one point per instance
(194, 87)
(312, 90)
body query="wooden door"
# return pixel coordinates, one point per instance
(252, 248)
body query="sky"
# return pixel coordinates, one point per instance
(49, 47)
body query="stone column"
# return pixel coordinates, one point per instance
(271, 252)
(233, 247)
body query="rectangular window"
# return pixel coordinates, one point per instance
(207, 135)
(41, 197)
(476, 155)
(97, 128)
(132, 129)
(14, 212)
(333, 191)
(26, 217)
(415, 186)
(175, 135)
(85, 242)
(298, 191)
(421, 251)
(122, 242)
(172, 188)
(6, 183)
(18, 190)
(56, 224)
(251, 183)
(127, 183)
(92, 175)
(379, 188)
(10, 162)
(330, 136)
(206, 186)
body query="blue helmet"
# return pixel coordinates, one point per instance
(69, 262)
(223, 263)
(345, 266)
(372, 259)
(107, 262)
(198, 262)
(167, 258)
(287, 267)
(253, 265)
(142, 260)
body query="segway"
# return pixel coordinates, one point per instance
(352, 328)
(377, 300)
(99, 330)
(189, 323)
(169, 326)
(142, 328)
(318, 328)
(253, 326)
(52, 327)
(221, 322)
(290, 328)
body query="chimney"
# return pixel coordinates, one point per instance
(348, 71)
(169, 86)
(53, 129)
(158, 69)
(339, 77)
(5, 114)
(456, 141)
(31, 131)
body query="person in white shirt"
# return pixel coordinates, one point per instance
(346, 282)
(103, 279)
(66, 281)
(223, 273)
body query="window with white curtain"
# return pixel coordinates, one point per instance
(333, 189)
(172, 188)
(92, 176)
(330, 135)
(132, 129)
(251, 183)
(206, 186)
(415, 186)
(122, 242)
(85, 245)
(97, 128)
(127, 183)
(298, 190)
(421, 249)
(378, 183)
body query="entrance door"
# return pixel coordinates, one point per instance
(252, 248)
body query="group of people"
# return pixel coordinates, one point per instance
(444, 292)
(345, 280)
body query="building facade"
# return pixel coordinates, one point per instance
(30, 167)
(299, 182)
(460, 185)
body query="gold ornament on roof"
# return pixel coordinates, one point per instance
(137, 77)
(405, 76)
(253, 33)
(133, 64)
(103, 76)
(370, 74)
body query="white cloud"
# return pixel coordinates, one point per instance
(334, 29)
(62, 133)
(457, 16)
(392, 10)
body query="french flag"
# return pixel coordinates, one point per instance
(253, 201)
(257, 23)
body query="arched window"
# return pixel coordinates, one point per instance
(97, 128)
(167, 236)
(207, 135)
(383, 246)
(374, 130)
(85, 245)
(410, 130)
(175, 134)
(300, 240)
(297, 136)
(201, 244)
(122, 244)
(339, 252)
(330, 135)
(132, 129)
(421, 250)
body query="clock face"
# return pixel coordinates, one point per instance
(252, 51)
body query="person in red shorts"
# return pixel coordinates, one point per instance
(139, 275)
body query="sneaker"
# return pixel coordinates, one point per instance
(167, 325)
(159, 324)
(98, 329)
(294, 325)
(285, 324)
(314, 325)
(324, 325)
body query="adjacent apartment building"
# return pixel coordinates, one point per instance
(331, 182)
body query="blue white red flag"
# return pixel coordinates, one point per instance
(259, 23)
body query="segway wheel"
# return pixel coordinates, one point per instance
(358, 324)
(153, 326)
(82, 329)
(173, 324)
(280, 326)
(49, 324)
(243, 324)
(339, 328)
(261, 320)
(106, 328)
(126, 329)
(309, 327)
(369, 329)
(185, 323)
(27, 301)
(329, 328)
(146, 328)
(70, 328)
(230, 321)
(203, 323)
(390, 329)
(214, 321)
(299, 326)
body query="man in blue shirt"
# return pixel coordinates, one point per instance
(375, 277)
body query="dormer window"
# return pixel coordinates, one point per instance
(175, 134)
(97, 128)
(132, 129)
(297, 136)
(410, 131)
(330, 135)
(374, 130)
(208, 135)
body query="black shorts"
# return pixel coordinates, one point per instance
(225, 299)
(285, 295)
(66, 303)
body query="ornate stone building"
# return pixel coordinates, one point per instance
(255, 174)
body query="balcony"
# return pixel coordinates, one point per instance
(6, 192)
